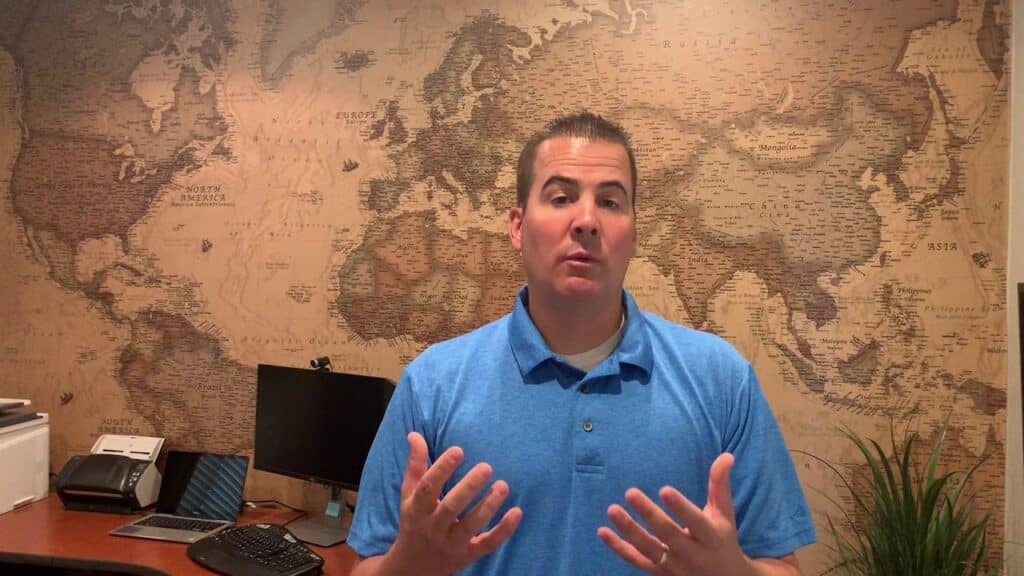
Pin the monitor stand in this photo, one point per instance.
(325, 529)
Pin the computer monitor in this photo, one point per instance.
(318, 426)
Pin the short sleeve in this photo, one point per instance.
(772, 517)
(375, 525)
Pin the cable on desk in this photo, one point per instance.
(258, 503)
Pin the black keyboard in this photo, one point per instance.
(179, 523)
(256, 550)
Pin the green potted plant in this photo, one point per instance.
(905, 521)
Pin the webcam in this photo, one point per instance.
(322, 363)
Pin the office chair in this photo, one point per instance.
(34, 565)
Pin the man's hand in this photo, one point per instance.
(707, 545)
(432, 539)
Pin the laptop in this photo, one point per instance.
(200, 494)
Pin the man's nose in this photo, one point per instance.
(586, 218)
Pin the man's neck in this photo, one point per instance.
(574, 325)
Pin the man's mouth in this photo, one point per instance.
(581, 257)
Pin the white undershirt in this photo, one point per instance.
(587, 360)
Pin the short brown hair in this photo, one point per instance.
(582, 124)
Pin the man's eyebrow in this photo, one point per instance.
(613, 184)
(572, 183)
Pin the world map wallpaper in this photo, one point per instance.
(189, 188)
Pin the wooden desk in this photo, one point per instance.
(47, 528)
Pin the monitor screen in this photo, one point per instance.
(317, 425)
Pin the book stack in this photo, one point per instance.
(13, 411)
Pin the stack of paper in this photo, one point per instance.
(12, 411)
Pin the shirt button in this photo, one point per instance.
(584, 388)
(588, 426)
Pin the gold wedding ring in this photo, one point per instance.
(664, 556)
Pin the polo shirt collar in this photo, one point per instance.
(530, 350)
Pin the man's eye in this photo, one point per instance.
(559, 200)
(610, 203)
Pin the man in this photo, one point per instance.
(575, 401)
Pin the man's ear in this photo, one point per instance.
(515, 227)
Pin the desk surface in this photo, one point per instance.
(46, 528)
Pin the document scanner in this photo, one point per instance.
(118, 475)
(25, 454)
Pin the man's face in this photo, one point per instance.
(577, 232)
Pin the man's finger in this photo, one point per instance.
(459, 497)
(473, 522)
(660, 523)
(428, 489)
(483, 544)
(634, 533)
(625, 550)
(696, 522)
(416, 466)
(719, 488)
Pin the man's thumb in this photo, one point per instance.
(719, 489)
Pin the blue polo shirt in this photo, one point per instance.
(657, 411)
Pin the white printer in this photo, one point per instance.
(24, 454)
